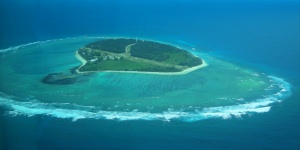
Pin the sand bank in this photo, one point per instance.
(83, 61)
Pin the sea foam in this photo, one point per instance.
(76, 112)
(18, 47)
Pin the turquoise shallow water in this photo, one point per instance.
(259, 36)
(220, 90)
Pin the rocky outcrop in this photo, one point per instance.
(59, 78)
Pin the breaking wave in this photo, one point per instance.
(75, 112)
(13, 48)
(18, 47)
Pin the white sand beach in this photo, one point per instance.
(186, 71)
(83, 61)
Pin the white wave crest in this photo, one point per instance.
(18, 47)
(76, 112)
(13, 48)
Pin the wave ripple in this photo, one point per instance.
(76, 112)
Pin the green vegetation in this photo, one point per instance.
(126, 65)
(151, 50)
(132, 55)
(111, 45)
(164, 53)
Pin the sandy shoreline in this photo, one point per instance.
(186, 71)
(83, 61)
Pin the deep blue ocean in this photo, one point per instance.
(262, 35)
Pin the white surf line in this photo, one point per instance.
(45, 41)
(223, 112)
(18, 47)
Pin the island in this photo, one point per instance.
(136, 56)
(127, 55)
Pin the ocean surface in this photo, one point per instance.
(246, 98)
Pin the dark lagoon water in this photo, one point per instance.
(246, 98)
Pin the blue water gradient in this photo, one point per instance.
(75, 112)
(264, 35)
